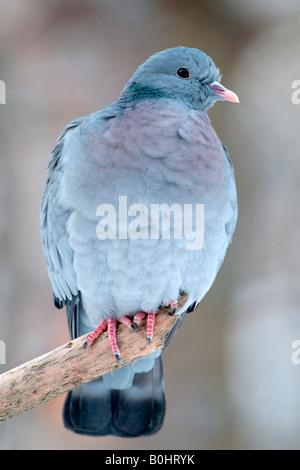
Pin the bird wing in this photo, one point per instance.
(53, 221)
(231, 224)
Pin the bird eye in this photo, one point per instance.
(183, 73)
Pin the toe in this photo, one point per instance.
(95, 334)
(112, 338)
(150, 325)
(127, 321)
(173, 305)
(138, 318)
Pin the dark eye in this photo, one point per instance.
(183, 73)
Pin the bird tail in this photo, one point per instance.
(103, 407)
(95, 410)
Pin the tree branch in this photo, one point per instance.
(65, 368)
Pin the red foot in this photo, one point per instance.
(111, 326)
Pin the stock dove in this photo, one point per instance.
(116, 179)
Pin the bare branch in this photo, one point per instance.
(70, 365)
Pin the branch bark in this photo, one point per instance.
(65, 368)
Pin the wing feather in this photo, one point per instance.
(53, 221)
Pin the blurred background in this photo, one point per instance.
(230, 381)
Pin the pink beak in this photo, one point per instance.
(223, 93)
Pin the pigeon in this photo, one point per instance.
(139, 208)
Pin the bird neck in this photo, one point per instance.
(136, 92)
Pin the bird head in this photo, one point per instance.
(184, 74)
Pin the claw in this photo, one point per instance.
(118, 358)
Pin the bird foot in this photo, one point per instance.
(111, 326)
